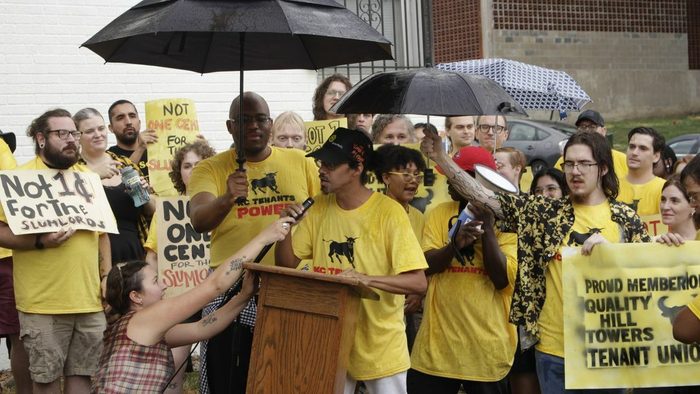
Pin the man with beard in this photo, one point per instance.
(236, 205)
(57, 276)
(590, 215)
(125, 123)
(368, 235)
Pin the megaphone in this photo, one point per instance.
(493, 180)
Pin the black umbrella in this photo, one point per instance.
(236, 35)
(427, 91)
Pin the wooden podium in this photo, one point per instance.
(304, 331)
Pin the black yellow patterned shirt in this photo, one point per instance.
(542, 224)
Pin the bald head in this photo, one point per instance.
(250, 100)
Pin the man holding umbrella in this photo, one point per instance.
(235, 205)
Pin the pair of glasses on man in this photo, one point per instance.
(259, 119)
(583, 167)
(485, 128)
(63, 133)
(408, 177)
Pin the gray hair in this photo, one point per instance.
(381, 121)
(85, 113)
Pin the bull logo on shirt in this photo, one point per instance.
(634, 205)
(670, 312)
(268, 181)
(342, 249)
(577, 239)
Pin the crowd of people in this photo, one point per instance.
(470, 290)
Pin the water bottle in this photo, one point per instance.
(132, 182)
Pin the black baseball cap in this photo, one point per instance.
(344, 146)
(591, 115)
(9, 139)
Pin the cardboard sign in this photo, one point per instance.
(619, 305)
(42, 201)
(175, 122)
(653, 224)
(318, 131)
(183, 253)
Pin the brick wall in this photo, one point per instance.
(42, 67)
(456, 30)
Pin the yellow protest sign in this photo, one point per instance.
(653, 224)
(183, 253)
(42, 201)
(175, 122)
(318, 131)
(619, 305)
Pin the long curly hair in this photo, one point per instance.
(201, 148)
(318, 110)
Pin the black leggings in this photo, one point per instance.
(421, 383)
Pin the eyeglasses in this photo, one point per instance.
(259, 119)
(408, 177)
(330, 167)
(335, 93)
(63, 133)
(588, 128)
(546, 189)
(485, 128)
(583, 167)
(693, 198)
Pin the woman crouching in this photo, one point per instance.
(136, 355)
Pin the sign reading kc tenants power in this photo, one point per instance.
(183, 253)
(42, 201)
(619, 307)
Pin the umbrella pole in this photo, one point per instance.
(240, 152)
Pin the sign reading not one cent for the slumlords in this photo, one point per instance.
(619, 307)
(42, 201)
(183, 253)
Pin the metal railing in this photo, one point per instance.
(406, 23)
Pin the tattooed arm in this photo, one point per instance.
(461, 181)
(214, 323)
(150, 323)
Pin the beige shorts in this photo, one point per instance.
(62, 345)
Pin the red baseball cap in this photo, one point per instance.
(468, 156)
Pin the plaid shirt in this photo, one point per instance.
(542, 224)
(127, 367)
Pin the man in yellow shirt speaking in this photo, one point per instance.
(355, 231)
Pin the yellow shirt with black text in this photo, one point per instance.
(589, 219)
(375, 239)
(465, 333)
(283, 178)
(59, 280)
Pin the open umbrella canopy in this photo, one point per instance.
(533, 87)
(427, 91)
(204, 35)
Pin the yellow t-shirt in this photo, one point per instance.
(588, 219)
(375, 239)
(417, 222)
(694, 306)
(643, 198)
(7, 162)
(58, 280)
(465, 333)
(152, 237)
(283, 178)
(619, 162)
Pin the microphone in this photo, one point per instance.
(305, 205)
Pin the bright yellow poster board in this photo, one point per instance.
(175, 122)
(619, 304)
(654, 225)
(183, 253)
(318, 131)
(44, 201)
